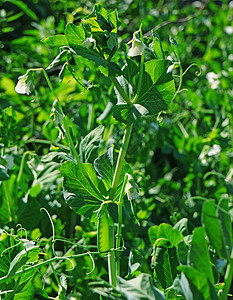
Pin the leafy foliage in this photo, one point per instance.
(178, 164)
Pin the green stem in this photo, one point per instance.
(140, 78)
(10, 201)
(228, 278)
(120, 161)
(22, 165)
(140, 74)
(120, 90)
(119, 227)
(116, 178)
(39, 141)
(112, 265)
(180, 83)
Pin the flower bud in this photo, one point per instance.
(137, 45)
(24, 84)
(89, 43)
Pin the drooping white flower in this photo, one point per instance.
(213, 80)
(24, 84)
(131, 189)
(137, 45)
(89, 43)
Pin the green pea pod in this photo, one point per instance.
(105, 233)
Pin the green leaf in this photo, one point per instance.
(78, 192)
(175, 48)
(25, 8)
(135, 260)
(157, 91)
(75, 35)
(58, 40)
(165, 262)
(164, 233)
(182, 252)
(225, 225)
(217, 224)
(198, 256)
(182, 226)
(89, 146)
(140, 288)
(130, 69)
(56, 113)
(105, 166)
(199, 287)
(113, 19)
(157, 46)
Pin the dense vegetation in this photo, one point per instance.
(116, 153)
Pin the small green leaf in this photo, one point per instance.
(25, 8)
(164, 232)
(75, 35)
(135, 260)
(175, 48)
(130, 70)
(56, 113)
(105, 166)
(88, 147)
(78, 193)
(157, 46)
(58, 40)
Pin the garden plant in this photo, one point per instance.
(93, 175)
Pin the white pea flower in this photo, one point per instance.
(29, 245)
(137, 45)
(213, 80)
(131, 189)
(24, 84)
(89, 43)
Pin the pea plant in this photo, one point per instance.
(102, 183)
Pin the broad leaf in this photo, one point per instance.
(75, 35)
(56, 40)
(157, 91)
(160, 235)
(88, 148)
(78, 192)
(198, 256)
(165, 262)
(157, 46)
(140, 288)
(199, 287)
(217, 223)
(105, 166)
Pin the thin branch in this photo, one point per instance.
(181, 20)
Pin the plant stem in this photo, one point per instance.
(118, 237)
(22, 165)
(120, 161)
(140, 74)
(10, 201)
(228, 278)
(116, 178)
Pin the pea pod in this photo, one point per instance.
(105, 233)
